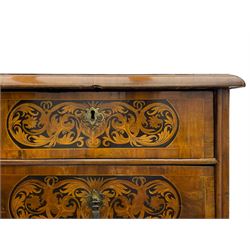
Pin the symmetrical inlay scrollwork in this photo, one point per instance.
(118, 197)
(83, 124)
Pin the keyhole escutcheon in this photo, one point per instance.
(92, 115)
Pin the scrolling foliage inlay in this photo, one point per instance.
(122, 197)
(92, 124)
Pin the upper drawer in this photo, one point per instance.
(160, 124)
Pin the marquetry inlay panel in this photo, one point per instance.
(91, 124)
(120, 197)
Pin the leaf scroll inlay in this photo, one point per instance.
(92, 124)
(67, 197)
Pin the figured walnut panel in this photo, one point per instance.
(127, 191)
(107, 125)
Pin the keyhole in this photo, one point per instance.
(92, 114)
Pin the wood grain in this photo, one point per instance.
(49, 162)
(222, 153)
(197, 195)
(118, 82)
(194, 138)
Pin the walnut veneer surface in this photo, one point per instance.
(115, 146)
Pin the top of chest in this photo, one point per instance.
(118, 82)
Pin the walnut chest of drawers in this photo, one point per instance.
(115, 146)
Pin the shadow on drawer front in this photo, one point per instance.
(108, 192)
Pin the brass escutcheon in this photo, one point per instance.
(95, 202)
(93, 115)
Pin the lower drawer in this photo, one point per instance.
(106, 191)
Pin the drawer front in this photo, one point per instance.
(107, 125)
(107, 192)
